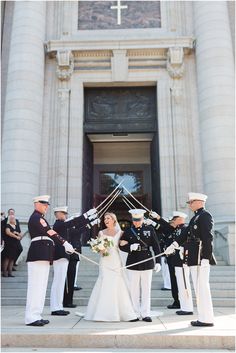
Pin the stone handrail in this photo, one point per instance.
(224, 243)
(219, 234)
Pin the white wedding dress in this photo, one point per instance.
(110, 299)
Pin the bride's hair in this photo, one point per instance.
(113, 216)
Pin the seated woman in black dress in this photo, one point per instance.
(13, 247)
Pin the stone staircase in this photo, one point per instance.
(222, 280)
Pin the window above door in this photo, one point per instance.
(132, 180)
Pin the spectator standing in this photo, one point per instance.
(12, 247)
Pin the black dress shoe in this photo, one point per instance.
(77, 288)
(59, 313)
(163, 288)
(147, 319)
(174, 306)
(134, 320)
(10, 275)
(70, 306)
(36, 323)
(182, 312)
(199, 323)
(65, 311)
(45, 322)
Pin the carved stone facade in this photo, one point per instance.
(175, 62)
(97, 15)
(183, 54)
(65, 64)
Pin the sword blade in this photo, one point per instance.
(136, 199)
(110, 203)
(110, 194)
(128, 201)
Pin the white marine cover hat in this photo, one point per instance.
(61, 209)
(42, 199)
(196, 196)
(137, 214)
(179, 214)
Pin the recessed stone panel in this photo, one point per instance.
(132, 14)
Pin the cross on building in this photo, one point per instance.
(119, 7)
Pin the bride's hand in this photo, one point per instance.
(123, 242)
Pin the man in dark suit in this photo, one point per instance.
(197, 241)
(136, 241)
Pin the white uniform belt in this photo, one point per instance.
(44, 237)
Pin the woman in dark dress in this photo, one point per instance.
(13, 247)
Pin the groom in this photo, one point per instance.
(136, 241)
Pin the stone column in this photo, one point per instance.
(21, 142)
(165, 146)
(65, 66)
(178, 128)
(215, 80)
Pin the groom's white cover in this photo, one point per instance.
(137, 213)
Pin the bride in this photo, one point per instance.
(110, 299)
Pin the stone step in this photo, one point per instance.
(88, 284)
(108, 350)
(14, 290)
(83, 301)
(214, 277)
(167, 331)
(21, 292)
(222, 271)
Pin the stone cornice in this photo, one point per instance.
(99, 46)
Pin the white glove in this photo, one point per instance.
(157, 268)
(134, 247)
(153, 214)
(181, 252)
(90, 212)
(171, 248)
(96, 221)
(149, 222)
(73, 217)
(205, 263)
(68, 247)
(93, 216)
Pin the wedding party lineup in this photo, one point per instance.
(128, 259)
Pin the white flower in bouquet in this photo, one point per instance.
(101, 245)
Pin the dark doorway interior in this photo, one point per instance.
(121, 140)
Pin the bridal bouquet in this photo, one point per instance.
(101, 245)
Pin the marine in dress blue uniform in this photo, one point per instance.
(74, 232)
(180, 284)
(164, 266)
(39, 258)
(197, 240)
(62, 260)
(139, 239)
